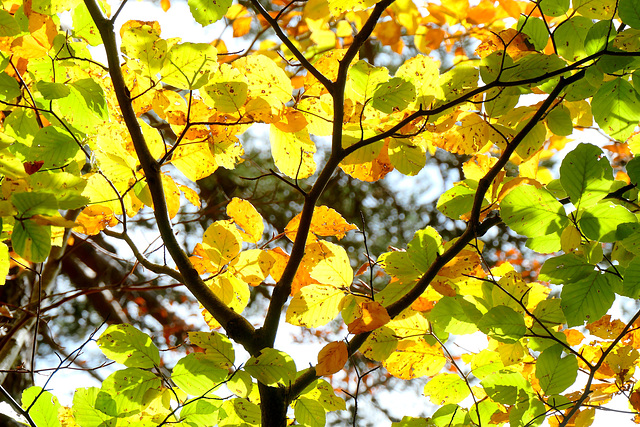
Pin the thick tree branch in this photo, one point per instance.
(237, 327)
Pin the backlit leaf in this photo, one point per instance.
(208, 12)
(446, 388)
(616, 108)
(247, 218)
(315, 305)
(127, 345)
(324, 222)
(556, 373)
(272, 367)
(197, 374)
(332, 358)
(414, 359)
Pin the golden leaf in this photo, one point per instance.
(247, 218)
(95, 218)
(332, 358)
(373, 316)
(324, 222)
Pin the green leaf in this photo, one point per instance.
(321, 391)
(559, 121)
(127, 345)
(30, 240)
(527, 413)
(423, 249)
(197, 374)
(145, 49)
(616, 108)
(595, 9)
(8, 24)
(364, 80)
(66, 187)
(598, 37)
(44, 411)
(446, 388)
(128, 391)
(455, 315)
(536, 29)
(309, 412)
(400, 265)
(407, 421)
(631, 282)
(393, 95)
(566, 268)
(407, 158)
(201, 412)
(86, 413)
(553, 7)
(206, 12)
(227, 90)
(629, 12)
(189, 65)
(83, 25)
(240, 411)
(272, 367)
(52, 90)
(549, 312)
(586, 175)
(217, 346)
(556, 373)
(533, 212)
(458, 200)
(503, 324)
(606, 222)
(54, 147)
(34, 203)
(85, 107)
(505, 386)
(9, 88)
(588, 299)
(451, 416)
(570, 36)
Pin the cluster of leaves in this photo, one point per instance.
(102, 142)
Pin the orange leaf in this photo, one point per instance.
(634, 399)
(325, 222)
(247, 218)
(373, 316)
(605, 328)
(573, 337)
(94, 219)
(165, 4)
(332, 358)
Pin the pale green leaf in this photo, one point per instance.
(309, 412)
(127, 345)
(197, 374)
(272, 367)
(556, 373)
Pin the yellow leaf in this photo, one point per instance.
(247, 218)
(605, 328)
(413, 359)
(340, 6)
(221, 242)
(585, 417)
(232, 291)
(370, 170)
(315, 305)
(570, 238)
(58, 221)
(267, 81)
(410, 323)
(373, 316)
(171, 195)
(469, 137)
(324, 222)
(201, 262)
(194, 160)
(332, 358)
(252, 266)
(191, 195)
(328, 264)
(293, 152)
(95, 218)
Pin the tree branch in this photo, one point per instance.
(236, 326)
